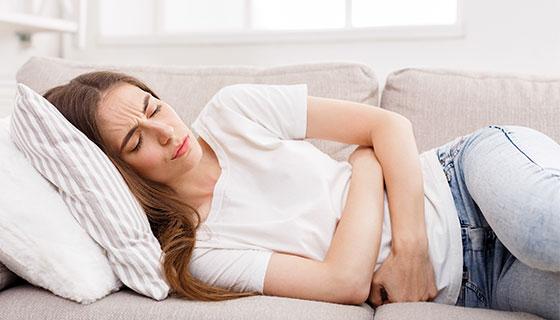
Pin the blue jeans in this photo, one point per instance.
(505, 181)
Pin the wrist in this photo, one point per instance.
(410, 245)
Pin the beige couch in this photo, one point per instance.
(441, 104)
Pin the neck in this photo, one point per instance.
(197, 186)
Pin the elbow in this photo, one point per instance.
(362, 294)
(395, 123)
(402, 120)
(358, 295)
(355, 292)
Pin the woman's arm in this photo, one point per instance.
(392, 138)
(355, 246)
(407, 274)
(396, 149)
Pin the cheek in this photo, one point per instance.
(148, 160)
(149, 164)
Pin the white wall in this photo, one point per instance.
(501, 35)
(14, 53)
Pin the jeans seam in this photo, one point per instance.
(515, 145)
(479, 294)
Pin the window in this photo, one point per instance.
(257, 20)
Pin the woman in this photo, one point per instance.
(504, 183)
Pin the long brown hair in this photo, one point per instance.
(172, 221)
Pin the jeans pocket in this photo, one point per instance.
(477, 247)
(448, 152)
(473, 296)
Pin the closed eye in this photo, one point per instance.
(138, 144)
(157, 110)
(137, 147)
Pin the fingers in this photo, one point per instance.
(384, 295)
(433, 293)
(375, 297)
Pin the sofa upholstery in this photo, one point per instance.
(27, 302)
(441, 104)
(444, 104)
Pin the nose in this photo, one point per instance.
(164, 132)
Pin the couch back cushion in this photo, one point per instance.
(443, 104)
(189, 88)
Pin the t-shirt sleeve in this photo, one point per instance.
(239, 270)
(280, 109)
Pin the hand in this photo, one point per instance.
(405, 277)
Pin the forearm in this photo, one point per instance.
(355, 245)
(395, 147)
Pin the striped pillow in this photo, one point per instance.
(93, 190)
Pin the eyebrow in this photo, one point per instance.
(131, 132)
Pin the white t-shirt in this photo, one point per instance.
(278, 192)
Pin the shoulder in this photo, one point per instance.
(234, 90)
(256, 90)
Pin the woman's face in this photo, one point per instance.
(160, 132)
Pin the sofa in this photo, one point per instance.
(441, 104)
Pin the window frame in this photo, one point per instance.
(348, 33)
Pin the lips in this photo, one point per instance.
(181, 149)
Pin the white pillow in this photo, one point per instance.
(93, 190)
(40, 240)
